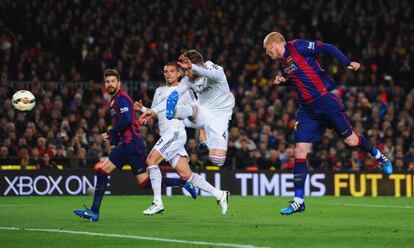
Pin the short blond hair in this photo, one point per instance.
(273, 36)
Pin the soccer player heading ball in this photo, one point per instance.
(318, 107)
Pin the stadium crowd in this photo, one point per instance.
(57, 44)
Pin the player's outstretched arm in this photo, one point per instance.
(317, 47)
(213, 73)
(333, 51)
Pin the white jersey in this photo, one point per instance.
(211, 87)
(160, 101)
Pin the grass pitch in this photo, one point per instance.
(251, 222)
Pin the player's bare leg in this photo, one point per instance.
(300, 172)
(360, 141)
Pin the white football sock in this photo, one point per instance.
(201, 183)
(184, 111)
(155, 177)
(298, 200)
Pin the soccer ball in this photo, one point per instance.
(23, 100)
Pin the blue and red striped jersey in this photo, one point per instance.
(124, 127)
(301, 67)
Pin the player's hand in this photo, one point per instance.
(354, 66)
(279, 79)
(184, 62)
(138, 105)
(147, 115)
(189, 74)
(105, 136)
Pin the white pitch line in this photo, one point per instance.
(113, 235)
(16, 205)
(373, 206)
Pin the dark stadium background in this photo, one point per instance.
(59, 49)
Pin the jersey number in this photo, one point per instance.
(311, 45)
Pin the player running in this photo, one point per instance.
(130, 148)
(170, 146)
(214, 107)
(318, 107)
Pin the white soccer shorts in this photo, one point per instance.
(215, 125)
(171, 147)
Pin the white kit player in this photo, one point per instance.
(214, 107)
(171, 145)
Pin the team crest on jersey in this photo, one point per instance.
(289, 66)
(113, 111)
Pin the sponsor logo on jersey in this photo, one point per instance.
(289, 66)
(205, 90)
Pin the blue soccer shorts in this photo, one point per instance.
(325, 112)
(133, 154)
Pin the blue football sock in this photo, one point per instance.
(364, 144)
(300, 171)
(172, 182)
(100, 188)
(368, 147)
(166, 182)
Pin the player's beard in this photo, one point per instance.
(112, 90)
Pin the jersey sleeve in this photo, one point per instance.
(155, 99)
(125, 116)
(114, 140)
(157, 105)
(311, 48)
(211, 71)
(183, 86)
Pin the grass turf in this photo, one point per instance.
(327, 222)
